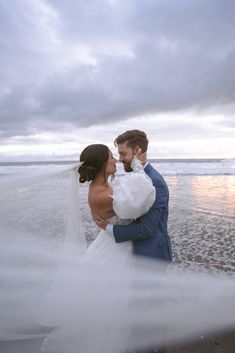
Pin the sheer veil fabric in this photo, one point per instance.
(100, 299)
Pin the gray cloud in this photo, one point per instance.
(85, 63)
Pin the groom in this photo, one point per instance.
(148, 232)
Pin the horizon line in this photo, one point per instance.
(152, 159)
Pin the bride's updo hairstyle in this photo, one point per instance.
(95, 158)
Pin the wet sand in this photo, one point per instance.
(224, 343)
(202, 221)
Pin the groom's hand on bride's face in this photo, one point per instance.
(100, 222)
(142, 157)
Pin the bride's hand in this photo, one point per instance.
(100, 222)
(142, 157)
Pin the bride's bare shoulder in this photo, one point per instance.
(100, 195)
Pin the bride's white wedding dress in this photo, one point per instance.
(92, 307)
(105, 245)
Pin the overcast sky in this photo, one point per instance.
(79, 72)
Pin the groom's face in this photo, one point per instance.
(126, 155)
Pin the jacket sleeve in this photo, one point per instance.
(145, 226)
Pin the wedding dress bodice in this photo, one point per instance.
(105, 246)
(117, 220)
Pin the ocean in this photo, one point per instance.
(164, 166)
(201, 215)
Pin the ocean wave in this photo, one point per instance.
(189, 167)
(228, 161)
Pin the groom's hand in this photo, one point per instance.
(100, 222)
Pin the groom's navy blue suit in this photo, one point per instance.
(149, 232)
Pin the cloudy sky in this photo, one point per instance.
(76, 72)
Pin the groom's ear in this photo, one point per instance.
(136, 149)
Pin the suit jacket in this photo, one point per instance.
(149, 232)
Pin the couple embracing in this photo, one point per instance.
(132, 209)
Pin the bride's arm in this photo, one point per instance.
(145, 226)
(133, 193)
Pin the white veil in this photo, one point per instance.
(50, 290)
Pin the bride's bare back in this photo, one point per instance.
(100, 200)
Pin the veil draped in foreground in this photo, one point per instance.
(94, 303)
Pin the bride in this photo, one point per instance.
(109, 197)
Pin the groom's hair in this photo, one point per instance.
(133, 138)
